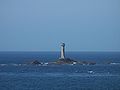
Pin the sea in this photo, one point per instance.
(16, 74)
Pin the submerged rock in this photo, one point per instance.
(35, 62)
(86, 63)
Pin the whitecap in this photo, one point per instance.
(3, 64)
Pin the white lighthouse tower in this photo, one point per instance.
(62, 51)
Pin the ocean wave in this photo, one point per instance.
(115, 63)
(13, 64)
(3, 64)
(59, 74)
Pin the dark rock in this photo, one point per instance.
(86, 63)
(65, 61)
(92, 63)
(35, 62)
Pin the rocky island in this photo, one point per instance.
(63, 60)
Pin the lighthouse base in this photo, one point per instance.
(65, 61)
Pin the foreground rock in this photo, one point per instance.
(35, 62)
(65, 61)
(73, 62)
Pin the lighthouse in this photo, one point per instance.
(62, 51)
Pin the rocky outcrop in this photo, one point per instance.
(65, 61)
(35, 62)
(73, 62)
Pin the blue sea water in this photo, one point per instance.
(59, 77)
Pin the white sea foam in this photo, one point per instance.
(3, 64)
(115, 63)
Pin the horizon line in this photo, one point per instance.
(59, 51)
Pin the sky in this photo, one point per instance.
(41, 25)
